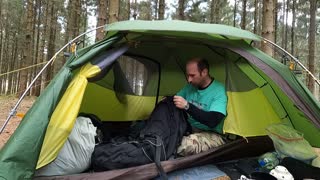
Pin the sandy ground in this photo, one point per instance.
(6, 104)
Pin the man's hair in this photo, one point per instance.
(202, 63)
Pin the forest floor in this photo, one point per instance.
(6, 104)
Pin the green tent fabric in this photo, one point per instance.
(138, 62)
(18, 158)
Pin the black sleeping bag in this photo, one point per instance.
(299, 169)
(156, 142)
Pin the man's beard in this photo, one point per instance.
(196, 85)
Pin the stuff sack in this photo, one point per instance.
(290, 143)
(75, 155)
(156, 142)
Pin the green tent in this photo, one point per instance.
(122, 77)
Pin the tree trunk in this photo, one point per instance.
(83, 17)
(286, 24)
(5, 59)
(275, 3)
(283, 33)
(1, 42)
(161, 9)
(244, 14)
(51, 45)
(156, 9)
(215, 11)
(69, 18)
(255, 17)
(293, 26)
(36, 89)
(1, 30)
(260, 16)
(4, 65)
(102, 18)
(135, 10)
(234, 13)
(181, 10)
(11, 66)
(73, 20)
(312, 44)
(33, 70)
(77, 19)
(267, 25)
(43, 45)
(27, 54)
(129, 10)
(4, 51)
(17, 77)
(113, 11)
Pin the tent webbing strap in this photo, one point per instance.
(162, 173)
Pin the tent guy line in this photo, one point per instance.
(14, 109)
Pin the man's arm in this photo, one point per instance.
(208, 118)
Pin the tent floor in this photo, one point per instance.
(237, 149)
(235, 168)
(204, 172)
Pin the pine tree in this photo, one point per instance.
(113, 11)
(162, 6)
(312, 44)
(27, 51)
(102, 18)
(267, 25)
(181, 9)
(244, 14)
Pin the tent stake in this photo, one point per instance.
(14, 109)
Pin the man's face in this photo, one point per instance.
(194, 77)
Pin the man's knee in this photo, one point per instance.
(199, 142)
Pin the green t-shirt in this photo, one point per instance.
(213, 98)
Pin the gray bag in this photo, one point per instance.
(75, 155)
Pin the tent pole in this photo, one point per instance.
(294, 58)
(14, 109)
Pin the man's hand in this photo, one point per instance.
(180, 102)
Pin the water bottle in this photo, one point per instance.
(268, 160)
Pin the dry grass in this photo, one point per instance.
(6, 104)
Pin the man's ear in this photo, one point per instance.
(204, 72)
